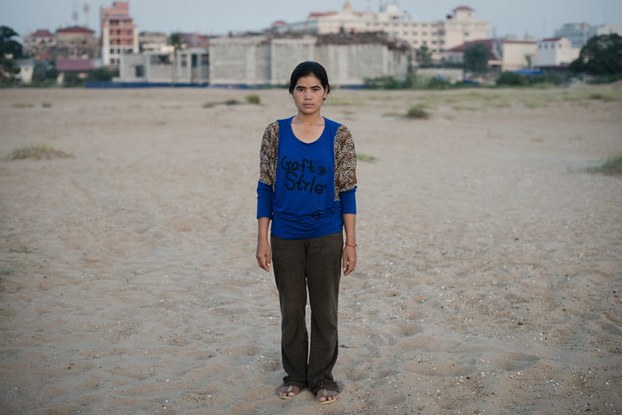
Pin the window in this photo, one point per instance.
(139, 71)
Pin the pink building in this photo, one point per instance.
(119, 35)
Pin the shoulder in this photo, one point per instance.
(339, 130)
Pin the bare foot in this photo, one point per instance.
(325, 396)
(288, 391)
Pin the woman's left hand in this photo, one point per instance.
(349, 259)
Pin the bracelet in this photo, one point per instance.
(352, 245)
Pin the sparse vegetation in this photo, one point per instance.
(253, 99)
(366, 158)
(6, 270)
(46, 104)
(22, 105)
(228, 102)
(612, 167)
(22, 249)
(37, 152)
(417, 112)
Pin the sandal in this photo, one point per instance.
(327, 396)
(288, 391)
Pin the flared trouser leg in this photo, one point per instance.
(313, 265)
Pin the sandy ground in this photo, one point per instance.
(490, 260)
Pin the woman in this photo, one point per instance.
(306, 188)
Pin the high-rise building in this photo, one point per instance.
(119, 35)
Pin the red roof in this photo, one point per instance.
(42, 33)
(552, 39)
(315, 15)
(519, 42)
(76, 29)
(74, 65)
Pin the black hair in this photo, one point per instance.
(309, 68)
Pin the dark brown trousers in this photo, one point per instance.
(313, 266)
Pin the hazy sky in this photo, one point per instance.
(538, 18)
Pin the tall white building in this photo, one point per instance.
(580, 33)
(457, 28)
(119, 35)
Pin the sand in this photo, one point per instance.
(490, 258)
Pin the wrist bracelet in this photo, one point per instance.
(352, 245)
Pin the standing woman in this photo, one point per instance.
(307, 185)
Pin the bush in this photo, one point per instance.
(612, 167)
(37, 152)
(253, 99)
(417, 112)
(512, 79)
(102, 75)
(384, 82)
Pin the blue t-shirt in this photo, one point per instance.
(302, 200)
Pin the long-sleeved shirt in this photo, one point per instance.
(305, 188)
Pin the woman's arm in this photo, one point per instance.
(349, 249)
(264, 252)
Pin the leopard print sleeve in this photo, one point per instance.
(268, 154)
(345, 161)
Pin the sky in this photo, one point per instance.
(536, 18)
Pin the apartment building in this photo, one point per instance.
(457, 28)
(76, 42)
(119, 35)
(39, 45)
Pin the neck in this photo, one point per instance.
(309, 118)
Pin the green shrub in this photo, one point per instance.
(612, 167)
(512, 79)
(417, 112)
(253, 99)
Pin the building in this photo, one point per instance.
(40, 44)
(79, 68)
(580, 33)
(188, 66)
(154, 42)
(556, 51)
(76, 42)
(605, 29)
(119, 35)
(267, 60)
(577, 33)
(438, 36)
(503, 54)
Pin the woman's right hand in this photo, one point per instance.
(264, 254)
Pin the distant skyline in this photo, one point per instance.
(536, 18)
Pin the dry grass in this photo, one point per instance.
(37, 152)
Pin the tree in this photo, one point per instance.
(10, 49)
(476, 58)
(176, 40)
(423, 56)
(601, 55)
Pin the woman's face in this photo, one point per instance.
(309, 94)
